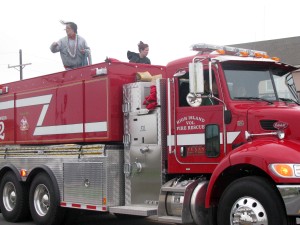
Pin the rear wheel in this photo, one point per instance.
(251, 200)
(14, 198)
(44, 201)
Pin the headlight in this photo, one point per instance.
(286, 170)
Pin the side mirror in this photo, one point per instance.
(196, 77)
(193, 100)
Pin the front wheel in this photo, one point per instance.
(251, 200)
(44, 201)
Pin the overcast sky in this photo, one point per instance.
(112, 27)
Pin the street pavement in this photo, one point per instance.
(77, 218)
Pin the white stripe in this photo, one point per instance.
(231, 136)
(42, 115)
(190, 139)
(6, 105)
(45, 99)
(51, 130)
(198, 139)
(170, 140)
(26, 102)
(221, 139)
(71, 128)
(96, 127)
(60, 129)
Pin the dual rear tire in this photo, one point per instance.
(13, 198)
(43, 201)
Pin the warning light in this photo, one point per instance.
(283, 170)
(276, 59)
(23, 173)
(103, 201)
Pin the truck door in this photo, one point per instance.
(198, 131)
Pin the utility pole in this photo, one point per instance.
(21, 66)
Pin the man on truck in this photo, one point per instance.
(73, 48)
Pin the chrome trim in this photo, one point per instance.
(169, 113)
(212, 61)
(280, 134)
(210, 78)
(198, 210)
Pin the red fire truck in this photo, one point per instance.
(212, 140)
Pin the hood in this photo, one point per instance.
(261, 119)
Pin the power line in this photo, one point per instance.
(21, 65)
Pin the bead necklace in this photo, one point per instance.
(75, 47)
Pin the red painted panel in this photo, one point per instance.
(69, 106)
(7, 120)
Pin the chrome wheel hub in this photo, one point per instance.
(9, 196)
(248, 211)
(41, 200)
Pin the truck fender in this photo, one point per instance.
(263, 152)
(47, 170)
(255, 154)
(10, 167)
(225, 163)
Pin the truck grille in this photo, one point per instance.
(268, 124)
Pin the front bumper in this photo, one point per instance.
(291, 197)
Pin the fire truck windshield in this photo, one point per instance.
(268, 82)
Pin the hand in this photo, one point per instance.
(82, 51)
(54, 44)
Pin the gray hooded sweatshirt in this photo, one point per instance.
(72, 59)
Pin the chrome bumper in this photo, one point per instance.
(291, 197)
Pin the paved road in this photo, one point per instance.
(96, 219)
